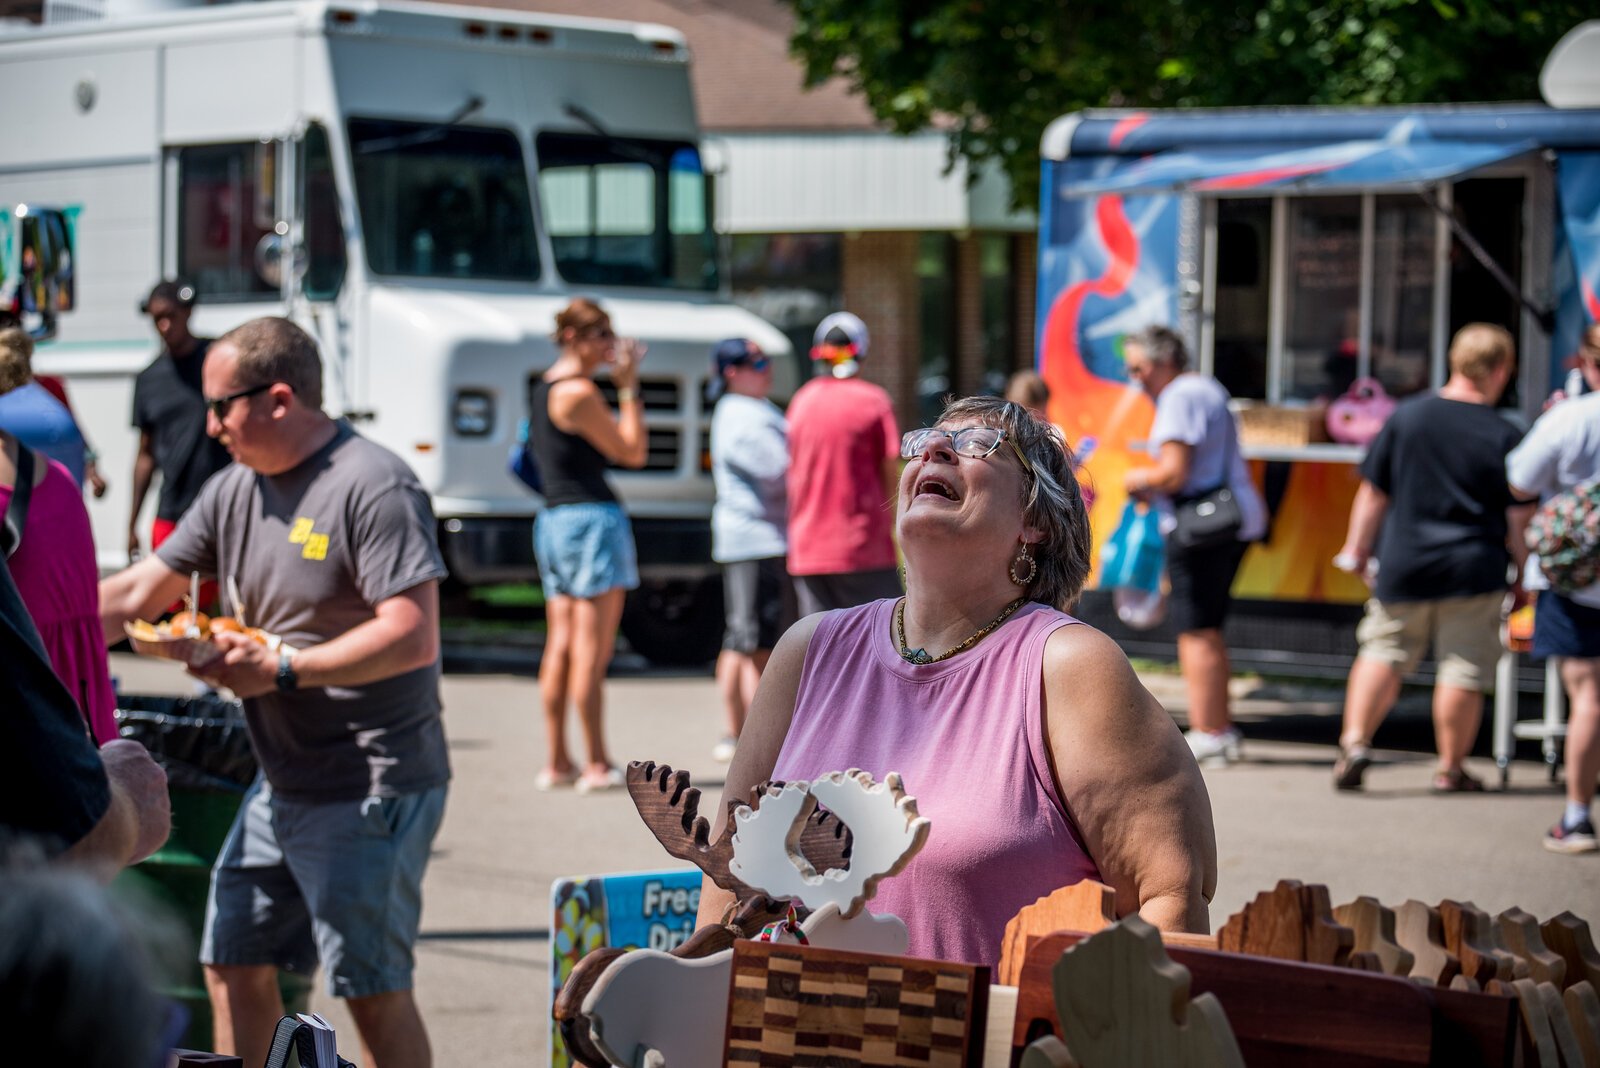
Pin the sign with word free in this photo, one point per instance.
(646, 910)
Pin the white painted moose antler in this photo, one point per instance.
(883, 821)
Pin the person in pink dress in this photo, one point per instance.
(1023, 734)
(54, 568)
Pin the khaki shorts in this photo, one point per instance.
(1464, 632)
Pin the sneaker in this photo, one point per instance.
(1219, 748)
(722, 752)
(1351, 766)
(1457, 781)
(1576, 839)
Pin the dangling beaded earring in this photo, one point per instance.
(1032, 565)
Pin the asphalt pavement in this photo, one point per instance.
(482, 977)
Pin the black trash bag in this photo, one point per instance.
(200, 741)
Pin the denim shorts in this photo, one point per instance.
(340, 882)
(1563, 627)
(585, 549)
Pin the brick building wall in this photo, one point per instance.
(1025, 296)
(880, 284)
(968, 349)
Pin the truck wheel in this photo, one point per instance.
(675, 623)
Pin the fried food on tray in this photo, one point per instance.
(185, 624)
(172, 641)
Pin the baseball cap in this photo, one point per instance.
(730, 353)
(175, 290)
(840, 336)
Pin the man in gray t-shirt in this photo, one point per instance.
(329, 539)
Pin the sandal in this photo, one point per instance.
(1350, 767)
(1457, 781)
(548, 779)
(610, 780)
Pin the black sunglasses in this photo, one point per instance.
(219, 407)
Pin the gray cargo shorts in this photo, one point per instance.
(340, 882)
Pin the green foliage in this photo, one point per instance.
(994, 73)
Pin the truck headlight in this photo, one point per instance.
(473, 413)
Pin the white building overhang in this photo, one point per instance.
(829, 181)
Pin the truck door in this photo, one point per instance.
(317, 295)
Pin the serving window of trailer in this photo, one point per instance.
(1302, 295)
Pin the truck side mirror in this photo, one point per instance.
(38, 276)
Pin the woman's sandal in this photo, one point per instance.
(588, 784)
(1457, 781)
(550, 780)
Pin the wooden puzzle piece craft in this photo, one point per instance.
(886, 832)
(1374, 928)
(1469, 935)
(801, 1005)
(1121, 1000)
(1519, 933)
(1420, 931)
(670, 807)
(1569, 936)
(1293, 921)
(1583, 1010)
(1560, 1024)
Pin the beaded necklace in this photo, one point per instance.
(921, 656)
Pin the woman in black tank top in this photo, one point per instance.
(582, 538)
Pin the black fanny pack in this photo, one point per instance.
(1207, 520)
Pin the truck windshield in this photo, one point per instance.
(443, 201)
(626, 211)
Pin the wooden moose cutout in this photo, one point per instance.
(1122, 1001)
(682, 1027)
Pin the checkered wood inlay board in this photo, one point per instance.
(813, 1008)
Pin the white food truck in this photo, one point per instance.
(422, 187)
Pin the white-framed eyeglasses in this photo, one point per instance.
(977, 442)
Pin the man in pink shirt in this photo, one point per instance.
(844, 467)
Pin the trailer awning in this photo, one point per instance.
(1396, 162)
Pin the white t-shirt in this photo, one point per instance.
(749, 462)
(1193, 410)
(1561, 451)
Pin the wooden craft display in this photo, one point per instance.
(1120, 1000)
(798, 1005)
(1293, 921)
(1309, 1015)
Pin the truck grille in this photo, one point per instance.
(658, 394)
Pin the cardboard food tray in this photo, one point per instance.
(194, 652)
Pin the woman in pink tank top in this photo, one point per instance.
(1024, 735)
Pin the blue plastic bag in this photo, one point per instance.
(521, 463)
(1132, 558)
